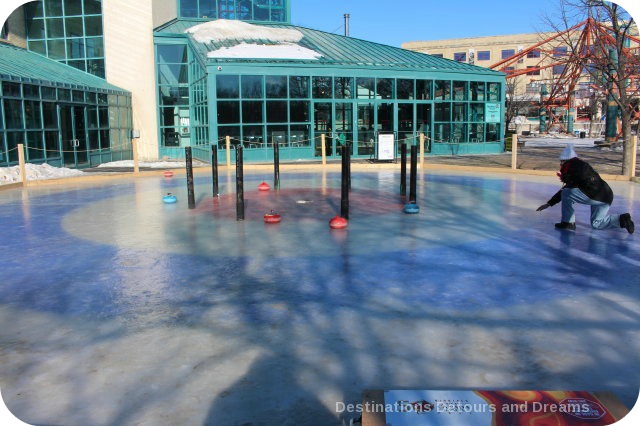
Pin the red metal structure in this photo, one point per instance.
(573, 59)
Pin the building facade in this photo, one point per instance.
(204, 72)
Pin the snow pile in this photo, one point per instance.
(152, 165)
(280, 42)
(268, 51)
(224, 29)
(36, 172)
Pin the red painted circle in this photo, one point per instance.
(338, 223)
(272, 218)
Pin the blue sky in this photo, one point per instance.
(393, 22)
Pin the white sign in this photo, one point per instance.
(385, 147)
(492, 112)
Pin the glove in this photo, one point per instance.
(542, 207)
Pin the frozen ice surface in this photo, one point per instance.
(119, 309)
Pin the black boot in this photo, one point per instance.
(627, 223)
(566, 225)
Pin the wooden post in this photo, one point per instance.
(634, 153)
(134, 148)
(228, 147)
(324, 150)
(514, 152)
(23, 168)
(421, 151)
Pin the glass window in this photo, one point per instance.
(493, 92)
(228, 112)
(423, 89)
(13, 114)
(558, 69)
(253, 136)
(189, 8)
(442, 112)
(252, 112)
(298, 87)
(32, 115)
(405, 117)
(322, 87)
(252, 86)
(172, 53)
(34, 146)
(460, 112)
(299, 111)
(95, 47)
(72, 7)
(406, 89)
(50, 115)
(11, 89)
(227, 86)
(38, 46)
(366, 88)
(55, 27)
(35, 28)
(535, 53)
(460, 56)
(442, 90)
(477, 90)
(441, 132)
(507, 53)
(277, 112)
(343, 87)
(460, 90)
(92, 7)
(560, 51)
(53, 7)
(484, 55)
(56, 49)
(385, 117)
(384, 87)
(276, 86)
(477, 112)
(73, 27)
(93, 25)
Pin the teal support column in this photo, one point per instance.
(611, 124)
(570, 120)
(543, 120)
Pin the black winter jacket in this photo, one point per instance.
(576, 173)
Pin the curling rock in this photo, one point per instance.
(272, 218)
(338, 223)
(169, 199)
(168, 174)
(411, 208)
(264, 186)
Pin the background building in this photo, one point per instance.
(199, 72)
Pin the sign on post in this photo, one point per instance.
(492, 112)
(385, 149)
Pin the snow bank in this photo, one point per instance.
(36, 172)
(261, 51)
(224, 29)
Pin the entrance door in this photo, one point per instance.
(73, 131)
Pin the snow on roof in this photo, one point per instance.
(262, 51)
(225, 29)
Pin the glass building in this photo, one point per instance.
(220, 88)
(237, 72)
(68, 31)
(62, 116)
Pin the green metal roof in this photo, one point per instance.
(335, 50)
(19, 64)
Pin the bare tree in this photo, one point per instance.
(612, 58)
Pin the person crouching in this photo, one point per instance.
(583, 185)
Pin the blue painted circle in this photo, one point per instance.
(411, 208)
(169, 199)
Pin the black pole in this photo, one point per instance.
(276, 165)
(344, 199)
(403, 169)
(414, 174)
(191, 195)
(239, 184)
(347, 147)
(214, 169)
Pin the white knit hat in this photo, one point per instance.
(568, 153)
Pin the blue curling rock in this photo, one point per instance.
(169, 199)
(411, 208)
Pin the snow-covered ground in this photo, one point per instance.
(45, 171)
